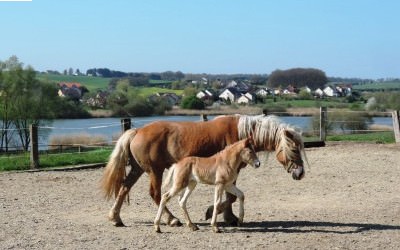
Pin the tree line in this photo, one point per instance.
(298, 78)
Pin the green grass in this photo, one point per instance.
(377, 137)
(147, 91)
(22, 162)
(294, 103)
(90, 82)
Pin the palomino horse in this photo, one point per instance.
(221, 170)
(158, 145)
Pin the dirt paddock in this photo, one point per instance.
(350, 199)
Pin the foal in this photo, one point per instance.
(221, 170)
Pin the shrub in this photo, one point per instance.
(192, 102)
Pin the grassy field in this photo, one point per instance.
(22, 161)
(378, 86)
(90, 82)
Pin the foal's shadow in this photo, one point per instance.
(312, 226)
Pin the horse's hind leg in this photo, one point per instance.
(155, 193)
(226, 207)
(235, 191)
(182, 204)
(132, 177)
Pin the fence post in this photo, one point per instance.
(396, 125)
(203, 117)
(34, 154)
(322, 123)
(125, 124)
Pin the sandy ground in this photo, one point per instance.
(350, 199)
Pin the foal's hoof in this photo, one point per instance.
(209, 212)
(175, 223)
(157, 229)
(193, 227)
(216, 230)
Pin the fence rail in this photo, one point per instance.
(126, 124)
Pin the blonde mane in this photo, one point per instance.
(270, 130)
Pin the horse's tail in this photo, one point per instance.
(114, 172)
(168, 178)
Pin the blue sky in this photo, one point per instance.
(344, 38)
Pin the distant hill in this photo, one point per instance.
(92, 83)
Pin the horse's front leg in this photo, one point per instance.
(155, 193)
(132, 177)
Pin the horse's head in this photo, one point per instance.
(248, 154)
(288, 153)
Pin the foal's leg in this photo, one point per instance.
(132, 177)
(235, 191)
(219, 189)
(164, 199)
(182, 204)
(225, 207)
(155, 193)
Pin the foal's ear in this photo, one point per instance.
(249, 140)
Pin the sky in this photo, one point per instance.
(343, 38)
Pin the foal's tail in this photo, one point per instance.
(114, 172)
(168, 178)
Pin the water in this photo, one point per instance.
(111, 127)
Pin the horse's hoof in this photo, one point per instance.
(175, 223)
(231, 219)
(117, 223)
(193, 227)
(157, 229)
(209, 212)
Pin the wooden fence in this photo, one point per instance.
(126, 125)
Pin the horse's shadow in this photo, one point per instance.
(312, 226)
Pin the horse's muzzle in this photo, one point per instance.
(256, 164)
(298, 173)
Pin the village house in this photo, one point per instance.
(229, 95)
(72, 90)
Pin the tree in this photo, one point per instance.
(298, 77)
(25, 101)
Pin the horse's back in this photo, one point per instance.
(162, 143)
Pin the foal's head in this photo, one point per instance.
(288, 153)
(248, 154)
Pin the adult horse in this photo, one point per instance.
(158, 145)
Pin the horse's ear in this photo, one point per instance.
(288, 134)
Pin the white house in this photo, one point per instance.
(204, 94)
(329, 91)
(263, 92)
(244, 100)
(318, 92)
(230, 94)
